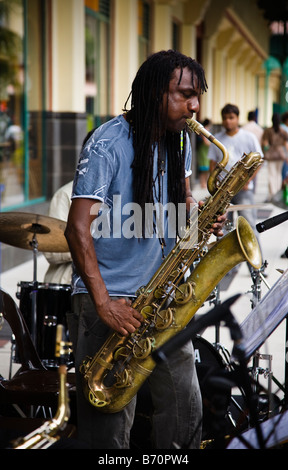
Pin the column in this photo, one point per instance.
(125, 46)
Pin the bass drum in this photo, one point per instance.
(53, 302)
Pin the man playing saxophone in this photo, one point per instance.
(138, 159)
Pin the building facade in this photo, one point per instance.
(66, 66)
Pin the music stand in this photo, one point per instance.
(265, 318)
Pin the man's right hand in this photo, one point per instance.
(120, 316)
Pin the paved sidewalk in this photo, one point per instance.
(273, 242)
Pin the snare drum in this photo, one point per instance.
(53, 302)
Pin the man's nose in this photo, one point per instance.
(193, 105)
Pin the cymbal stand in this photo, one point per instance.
(216, 301)
(34, 291)
(257, 277)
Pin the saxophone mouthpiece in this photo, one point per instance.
(198, 128)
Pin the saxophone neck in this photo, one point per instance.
(196, 127)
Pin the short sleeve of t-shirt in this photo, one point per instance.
(104, 173)
(98, 164)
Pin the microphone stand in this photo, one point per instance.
(272, 222)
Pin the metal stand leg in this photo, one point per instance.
(286, 367)
(34, 292)
(257, 278)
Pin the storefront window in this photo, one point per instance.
(34, 94)
(143, 30)
(11, 103)
(21, 102)
(97, 61)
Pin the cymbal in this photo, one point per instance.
(18, 229)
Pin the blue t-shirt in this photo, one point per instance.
(126, 260)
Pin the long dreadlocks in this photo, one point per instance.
(146, 123)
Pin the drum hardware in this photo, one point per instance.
(50, 321)
(49, 328)
(216, 389)
(34, 245)
(13, 355)
(265, 317)
(228, 225)
(37, 233)
(256, 291)
(257, 371)
(261, 227)
(216, 301)
(53, 302)
(20, 229)
(257, 278)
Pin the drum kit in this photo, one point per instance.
(43, 305)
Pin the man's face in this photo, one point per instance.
(230, 122)
(183, 100)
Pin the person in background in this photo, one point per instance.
(284, 125)
(284, 121)
(60, 264)
(142, 156)
(284, 192)
(275, 148)
(253, 126)
(202, 155)
(237, 142)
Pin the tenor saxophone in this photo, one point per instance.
(114, 375)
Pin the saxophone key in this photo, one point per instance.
(97, 398)
(119, 353)
(84, 367)
(184, 293)
(147, 311)
(159, 293)
(124, 379)
(143, 348)
(164, 319)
